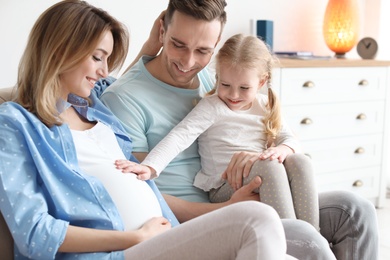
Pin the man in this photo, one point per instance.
(157, 93)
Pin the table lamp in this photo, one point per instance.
(341, 26)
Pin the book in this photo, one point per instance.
(301, 55)
(293, 53)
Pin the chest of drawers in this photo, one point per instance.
(339, 109)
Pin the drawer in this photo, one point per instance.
(339, 154)
(364, 181)
(313, 85)
(335, 120)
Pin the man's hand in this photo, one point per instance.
(185, 210)
(152, 45)
(246, 192)
(239, 167)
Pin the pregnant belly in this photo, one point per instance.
(135, 200)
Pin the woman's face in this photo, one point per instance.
(237, 87)
(81, 80)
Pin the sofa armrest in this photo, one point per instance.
(6, 241)
(7, 94)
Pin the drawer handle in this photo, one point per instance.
(308, 84)
(360, 150)
(357, 183)
(363, 83)
(361, 116)
(306, 121)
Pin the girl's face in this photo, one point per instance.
(81, 80)
(237, 87)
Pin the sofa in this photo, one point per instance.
(6, 94)
(6, 241)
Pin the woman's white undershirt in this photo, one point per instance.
(97, 149)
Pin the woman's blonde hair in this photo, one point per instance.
(62, 38)
(250, 52)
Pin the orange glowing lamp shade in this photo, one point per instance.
(341, 25)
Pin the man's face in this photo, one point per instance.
(188, 47)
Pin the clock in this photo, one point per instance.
(367, 48)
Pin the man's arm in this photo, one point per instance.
(140, 156)
(152, 46)
(186, 210)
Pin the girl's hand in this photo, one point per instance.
(143, 172)
(239, 168)
(279, 152)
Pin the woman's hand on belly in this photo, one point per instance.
(151, 228)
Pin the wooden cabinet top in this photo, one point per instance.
(333, 62)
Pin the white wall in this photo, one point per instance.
(384, 35)
(297, 26)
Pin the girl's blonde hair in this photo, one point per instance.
(62, 38)
(248, 52)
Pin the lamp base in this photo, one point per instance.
(339, 55)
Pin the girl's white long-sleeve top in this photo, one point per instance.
(221, 132)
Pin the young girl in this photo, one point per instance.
(239, 118)
(60, 193)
